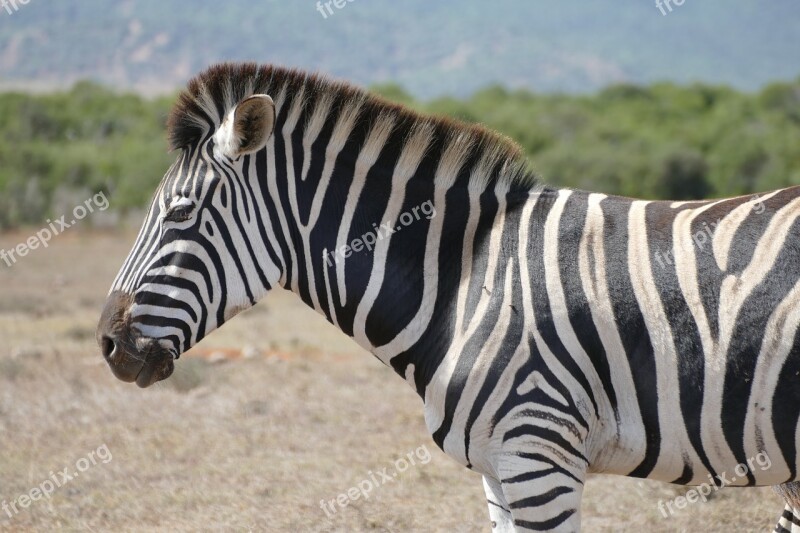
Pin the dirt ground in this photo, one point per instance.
(266, 418)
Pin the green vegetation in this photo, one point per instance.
(661, 141)
(84, 141)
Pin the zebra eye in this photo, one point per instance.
(180, 210)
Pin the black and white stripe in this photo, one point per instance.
(551, 333)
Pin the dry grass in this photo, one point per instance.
(249, 444)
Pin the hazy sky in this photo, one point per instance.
(447, 46)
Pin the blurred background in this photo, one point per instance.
(277, 410)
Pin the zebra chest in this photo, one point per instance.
(470, 410)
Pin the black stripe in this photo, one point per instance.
(745, 346)
(685, 335)
(571, 230)
(555, 468)
(631, 326)
(546, 525)
(165, 301)
(545, 434)
(541, 302)
(541, 499)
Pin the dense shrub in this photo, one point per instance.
(660, 141)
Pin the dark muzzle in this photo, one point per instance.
(130, 356)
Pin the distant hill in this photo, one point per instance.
(429, 47)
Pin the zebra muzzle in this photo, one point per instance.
(130, 356)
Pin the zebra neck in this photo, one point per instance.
(378, 219)
(363, 239)
(390, 256)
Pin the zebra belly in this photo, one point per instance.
(743, 433)
(708, 318)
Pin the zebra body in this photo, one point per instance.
(551, 333)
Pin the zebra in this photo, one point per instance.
(551, 333)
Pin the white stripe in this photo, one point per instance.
(437, 388)
(627, 451)
(560, 310)
(675, 443)
(778, 341)
(406, 167)
(366, 160)
(723, 235)
(446, 173)
(716, 447)
(454, 443)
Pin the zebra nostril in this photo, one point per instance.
(108, 346)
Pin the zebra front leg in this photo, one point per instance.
(789, 522)
(790, 519)
(499, 513)
(546, 494)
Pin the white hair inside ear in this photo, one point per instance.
(246, 128)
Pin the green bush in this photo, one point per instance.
(661, 141)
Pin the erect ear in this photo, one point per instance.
(247, 127)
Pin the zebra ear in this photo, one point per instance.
(248, 126)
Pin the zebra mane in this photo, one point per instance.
(203, 104)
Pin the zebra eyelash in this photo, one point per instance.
(179, 210)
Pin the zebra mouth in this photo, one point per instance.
(131, 356)
(158, 363)
(156, 367)
(144, 363)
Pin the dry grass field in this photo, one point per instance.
(261, 421)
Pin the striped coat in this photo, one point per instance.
(551, 333)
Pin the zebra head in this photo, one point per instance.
(192, 266)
